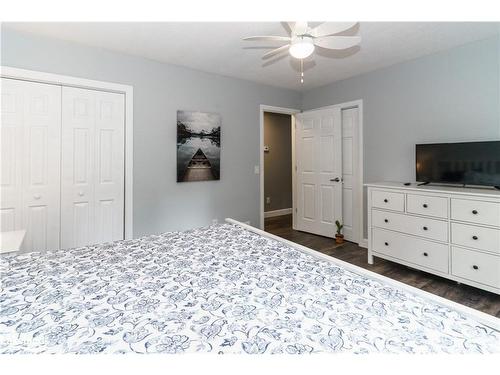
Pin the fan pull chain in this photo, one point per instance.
(301, 71)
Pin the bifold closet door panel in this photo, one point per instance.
(31, 146)
(77, 162)
(109, 166)
(92, 170)
(12, 136)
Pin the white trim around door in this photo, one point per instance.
(128, 91)
(288, 111)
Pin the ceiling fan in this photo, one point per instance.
(303, 39)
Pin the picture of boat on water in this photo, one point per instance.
(198, 146)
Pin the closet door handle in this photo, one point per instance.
(336, 179)
(81, 193)
(475, 267)
(425, 205)
(474, 212)
(426, 255)
(425, 228)
(386, 200)
(37, 196)
(386, 221)
(474, 237)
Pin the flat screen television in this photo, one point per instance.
(467, 163)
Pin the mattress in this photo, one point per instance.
(218, 289)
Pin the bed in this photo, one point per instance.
(226, 288)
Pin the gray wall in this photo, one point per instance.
(278, 161)
(161, 204)
(449, 96)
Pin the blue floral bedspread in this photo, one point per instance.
(219, 289)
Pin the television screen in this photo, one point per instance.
(469, 163)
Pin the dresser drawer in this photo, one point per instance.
(418, 226)
(388, 200)
(478, 212)
(477, 237)
(418, 251)
(427, 205)
(479, 267)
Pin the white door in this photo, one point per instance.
(350, 136)
(109, 177)
(319, 171)
(92, 172)
(30, 162)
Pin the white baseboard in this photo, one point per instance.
(284, 211)
(363, 243)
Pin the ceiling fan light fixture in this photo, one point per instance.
(302, 47)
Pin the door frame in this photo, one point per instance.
(358, 202)
(287, 111)
(127, 90)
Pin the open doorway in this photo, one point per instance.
(327, 171)
(266, 110)
(278, 188)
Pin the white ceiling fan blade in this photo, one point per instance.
(337, 42)
(268, 38)
(276, 51)
(299, 28)
(331, 28)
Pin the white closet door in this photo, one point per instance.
(77, 161)
(12, 136)
(31, 139)
(319, 171)
(109, 167)
(92, 170)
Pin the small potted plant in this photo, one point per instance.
(339, 237)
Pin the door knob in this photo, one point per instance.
(81, 194)
(37, 196)
(336, 179)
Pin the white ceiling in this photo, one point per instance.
(217, 47)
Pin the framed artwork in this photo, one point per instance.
(198, 146)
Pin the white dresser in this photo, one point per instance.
(448, 231)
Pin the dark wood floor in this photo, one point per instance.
(476, 298)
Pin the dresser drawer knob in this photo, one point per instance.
(474, 212)
(474, 237)
(425, 205)
(426, 255)
(386, 243)
(386, 221)
(425, 228)
(386, 200)
(475, 267)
